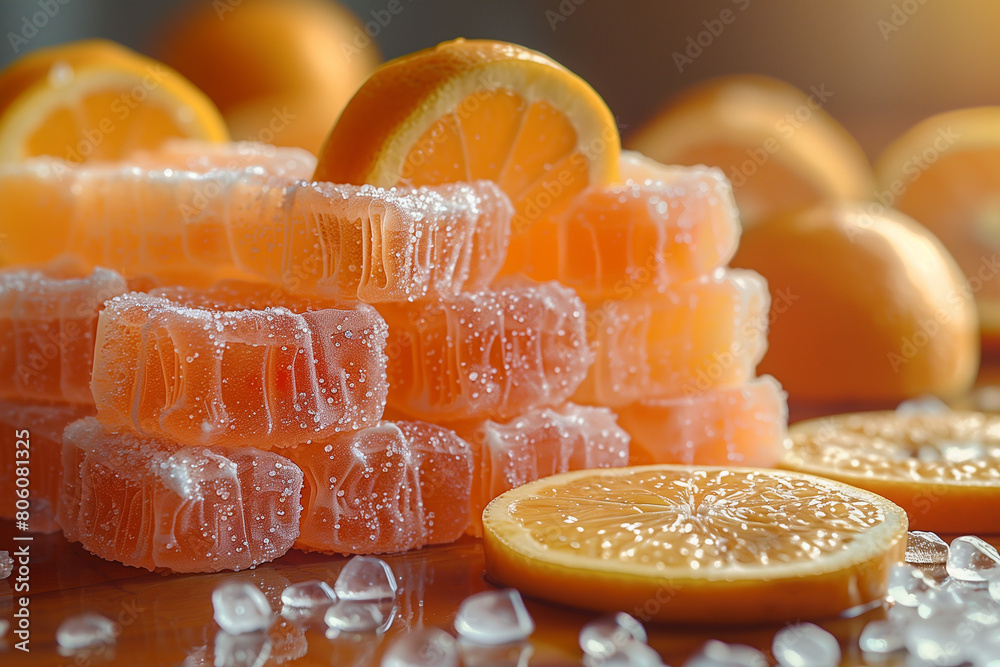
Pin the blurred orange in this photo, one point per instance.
(280, 70)
(96, 99)
(865, 306)
(945, 172)
(777, 145)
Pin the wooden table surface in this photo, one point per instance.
(167, 619)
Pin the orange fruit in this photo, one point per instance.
(942, 468)
(945, 172)
(695, 545)
(480, 109)
(864, 306)
(280, 70)
(777, 145)
(94, 100)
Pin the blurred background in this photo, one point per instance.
(887, 63)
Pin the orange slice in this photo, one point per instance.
(695, 545)
(945, 172)
(97, 100)
(943, 469)
(775, 142)
(480, 109)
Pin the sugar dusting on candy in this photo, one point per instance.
(266, 378)
(494, 353)
(388, 488)
(538, 443)
(152, 504)
(47, 327)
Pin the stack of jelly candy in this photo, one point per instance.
(48, 321)
(676, 334)
(340, 368)
(240, 377)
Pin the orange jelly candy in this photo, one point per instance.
(494, 353)
(388, 488)
(674, 225)
(47, 327)
(539, 443)
(737, 426)
(36, 431)
(203, 156)
(195, 228)
(262, 378)
(149, 503)
(691, 337)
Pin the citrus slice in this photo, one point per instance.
(945, 172)
(480, 109)
(775, 142)
(695, 545)
(943, 469)
(96, 99)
